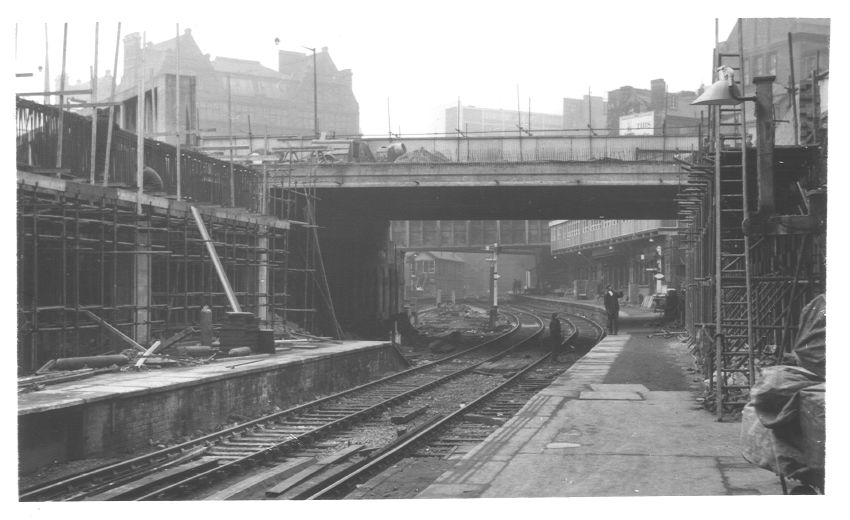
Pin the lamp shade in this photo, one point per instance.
(719, 93)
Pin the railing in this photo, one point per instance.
(204, 179)
(488, 149)
(584, 232)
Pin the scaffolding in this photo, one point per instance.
(87, 247)
(754, 249)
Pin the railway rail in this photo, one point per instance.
(234, 457)
(212, 457)
(468, 425)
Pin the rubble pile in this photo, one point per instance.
(422, 156)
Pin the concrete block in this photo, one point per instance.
(611, 396)
(597, 387)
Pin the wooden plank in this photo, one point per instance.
(113, 331)
(303, 475)
(320, 481)
(406, 416)
(175, 338)
(245, 487)
(484, 419)
(45, 367)
(139, 486)
(147, 353)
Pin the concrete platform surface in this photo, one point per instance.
(134, 383)
(611, 427)
(627, 310)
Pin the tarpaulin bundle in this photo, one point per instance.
(810, 345)
(784, 424)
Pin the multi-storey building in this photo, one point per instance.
(589, 112)
(671, 113)
(225, 96)
(766, 53)
(496, 121)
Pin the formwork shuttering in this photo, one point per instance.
(81, 248)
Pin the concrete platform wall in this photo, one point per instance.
(120, 426)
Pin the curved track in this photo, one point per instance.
(472, 423)
(176, 471)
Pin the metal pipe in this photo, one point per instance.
(177, 117)
(766, 141)
(230, 133)
(222, 275)
(108, 152)
(793, 92)
(140, 131)
(61, 131)
(94, 108)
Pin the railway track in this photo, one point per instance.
(179, 470)
(284, 450)
(469, 425)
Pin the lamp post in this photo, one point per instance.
(315, 96)
(494, 285)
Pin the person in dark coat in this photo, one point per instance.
(555, 336)
(612, 308)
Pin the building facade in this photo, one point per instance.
(766, 53)
(639, 257)
(671, 112)
(229, 96)
(496, 121)
(431, 272)
(589, 112)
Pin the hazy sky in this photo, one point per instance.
(421, 56)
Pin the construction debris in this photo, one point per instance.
(117, 334)
(421, 156)
(90, 362)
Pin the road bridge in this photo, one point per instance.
(493, 178)
(531, 190)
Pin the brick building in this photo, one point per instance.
(766, 53)
(261, 99)
(671, 112)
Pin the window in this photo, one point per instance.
(673, 102)
(758, 66)
(772, 61)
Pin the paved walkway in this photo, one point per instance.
(623, 421)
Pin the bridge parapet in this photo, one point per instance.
(203, 180)
(475, 149)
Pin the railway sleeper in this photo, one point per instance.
(139, 487)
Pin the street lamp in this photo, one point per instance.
(315, 98)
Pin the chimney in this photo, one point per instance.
(657, 99)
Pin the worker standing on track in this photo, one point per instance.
(612, 307)
(555, 336)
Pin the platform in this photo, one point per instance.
(622, 421)
(123, 412)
